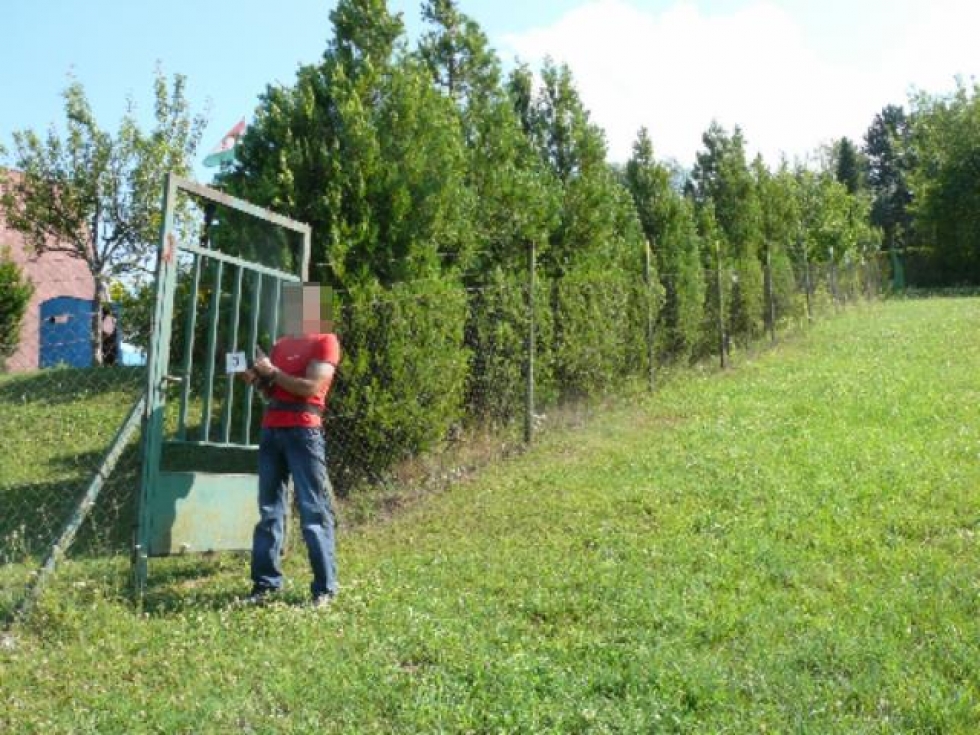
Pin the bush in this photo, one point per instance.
(15, 295)
(784, 289)
(747, 289)
(685, 286)
(600, 329)
(497, 334)
(402, 378)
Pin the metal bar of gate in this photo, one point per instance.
(213, 315)
(275, 312)
(241, 205)
(234, 317)
(253, 339)
(188, 362)
(232, 260)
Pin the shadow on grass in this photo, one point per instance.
(60, 386)
(36, 513)
(209, 583)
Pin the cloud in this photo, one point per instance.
(760, 67)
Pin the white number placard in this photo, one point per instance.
(236, 362)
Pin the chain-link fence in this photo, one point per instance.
(437, 377)
(63, 406)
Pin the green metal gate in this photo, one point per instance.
(193, 498)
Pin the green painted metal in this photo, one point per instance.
(240, 205)
(234, 318)
(253, 340)
(158, 359)
(648, 297)
(218, 445)
(529, 387)
(189, 512)
(211, 354)
(898, 270)
(275, 316)
(188, 362)
(239, 262)
(193, 510)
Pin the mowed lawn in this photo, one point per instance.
(790, 546)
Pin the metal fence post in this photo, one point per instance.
(806, 281)
(722, 347)
(529, 404)
(770, 295)
(833, 279)
(647, 280)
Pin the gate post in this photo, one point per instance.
(157, 360)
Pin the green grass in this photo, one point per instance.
(57, 423)
(56, 426)
(787, 547)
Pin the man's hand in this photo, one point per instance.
(252, 377)
(263, 367)
(248, 376)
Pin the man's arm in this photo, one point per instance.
(319, 375)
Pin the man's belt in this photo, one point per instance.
(277, 405)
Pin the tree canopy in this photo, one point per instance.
(94, 195)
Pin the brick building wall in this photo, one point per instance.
(53, 274)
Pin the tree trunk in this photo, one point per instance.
(98, 302)
(98, 298)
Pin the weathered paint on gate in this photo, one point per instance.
(193, 511)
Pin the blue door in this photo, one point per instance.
(66, 332)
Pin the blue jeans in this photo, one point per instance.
(299, 452)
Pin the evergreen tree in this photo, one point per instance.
(517, 196)
(721, 176)
(368, 152)
(780, 210)
(669, 226)
(848, 168)
(574, 149)
(517, 200)
(886, 145)
(458, 54)
(945, 146)
(597, 251)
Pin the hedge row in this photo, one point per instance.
(427, 360)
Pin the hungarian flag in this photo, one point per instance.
(225, 150)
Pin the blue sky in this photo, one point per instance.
(794, 74)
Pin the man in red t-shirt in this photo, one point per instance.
(296, 378)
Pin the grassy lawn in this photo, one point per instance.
(55, 427)
(787, 547)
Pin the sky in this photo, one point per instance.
(793, 74)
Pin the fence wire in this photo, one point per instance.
(436, 379)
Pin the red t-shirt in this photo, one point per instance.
(292, 355)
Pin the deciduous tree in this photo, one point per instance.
(94, 195)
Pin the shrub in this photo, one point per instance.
(784, 289)
(402, 377)
(497, 333)
(600, 328)
(15, 295)
(747, 298)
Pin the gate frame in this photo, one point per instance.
(158, 356)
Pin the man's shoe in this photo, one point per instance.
(259, 595)
(321, 602)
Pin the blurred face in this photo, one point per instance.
(306, 309)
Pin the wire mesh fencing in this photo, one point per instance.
(437, 377)
(71, 382)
